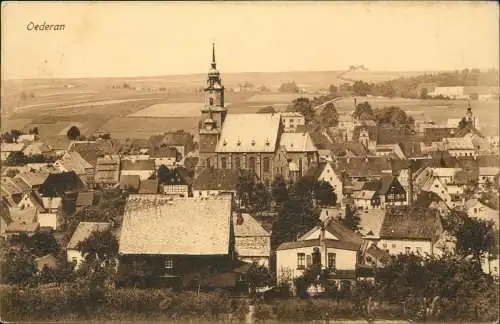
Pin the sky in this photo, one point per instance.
(119, 39)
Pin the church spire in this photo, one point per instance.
(213, 55)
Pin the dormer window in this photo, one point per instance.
(211, 101)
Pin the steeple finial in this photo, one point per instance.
(213, 54)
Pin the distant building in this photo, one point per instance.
(107, 171)
(291, 120)
(143, 168)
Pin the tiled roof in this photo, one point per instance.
(23, 220)
(218, 179)
(371, 222)
(73, 161)
(11, 147)
(91, 150)
(249, 133)
(36, 148)
(249, 227)
(488, 171)
(460, 143)
(130, 181)
(10, 187)
(297, 142)
(84, 230)
(417, 221)
(363, 167)
(85, 198)
(58, 143)
(344, 148)
(32, 179)
(154, 224)
(138, 165)
(379, 254)
(364, 194)
(149, 186)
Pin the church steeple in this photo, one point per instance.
(213, 111)
(213, 56)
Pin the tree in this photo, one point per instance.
(34, 131)
(257, 275)
(332, 89)
(164, 174)
(296, 215)
(424, 94)
(7, 137)
(393, 116)
(16, 158)
(329, 115)
(303, 106)
(260, 198)
(73, 133)
(100, 248)
(15, 134)
(18, 267)
(289, 87)
(474, 237)
(279, 190)
(363, 111)
(245, 189)
(351, 219)
(361, 88)
(266, 110)
(324, 194)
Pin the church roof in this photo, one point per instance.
(249, 133)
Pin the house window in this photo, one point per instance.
(266, 164)
(301, 261)
(169, 264)
(74, 259)
(407, 249)
(211, 101)
(251, 163)
(475, 210)
(384, 246)
(331, 260)
(309, 260)
(393, 245)
(208, 163)
(223, 163)
(237, 162)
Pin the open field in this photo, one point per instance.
(272, 98)
(143, 127)
(436, 110)
(170, 110)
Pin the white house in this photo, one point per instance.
(291, 120)
(459, 146)
(143, 168)
(487, 175)
(475, 208)
(82, 232)
(331, 247)
(7, 149)
(252, 241)
(325, 172)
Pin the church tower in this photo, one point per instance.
(213, 114)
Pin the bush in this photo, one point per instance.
(68, 302)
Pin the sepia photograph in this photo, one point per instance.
(249, 162)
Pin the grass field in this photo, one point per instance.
(170, 110)
(142, 127)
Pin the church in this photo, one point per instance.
(255, 142)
